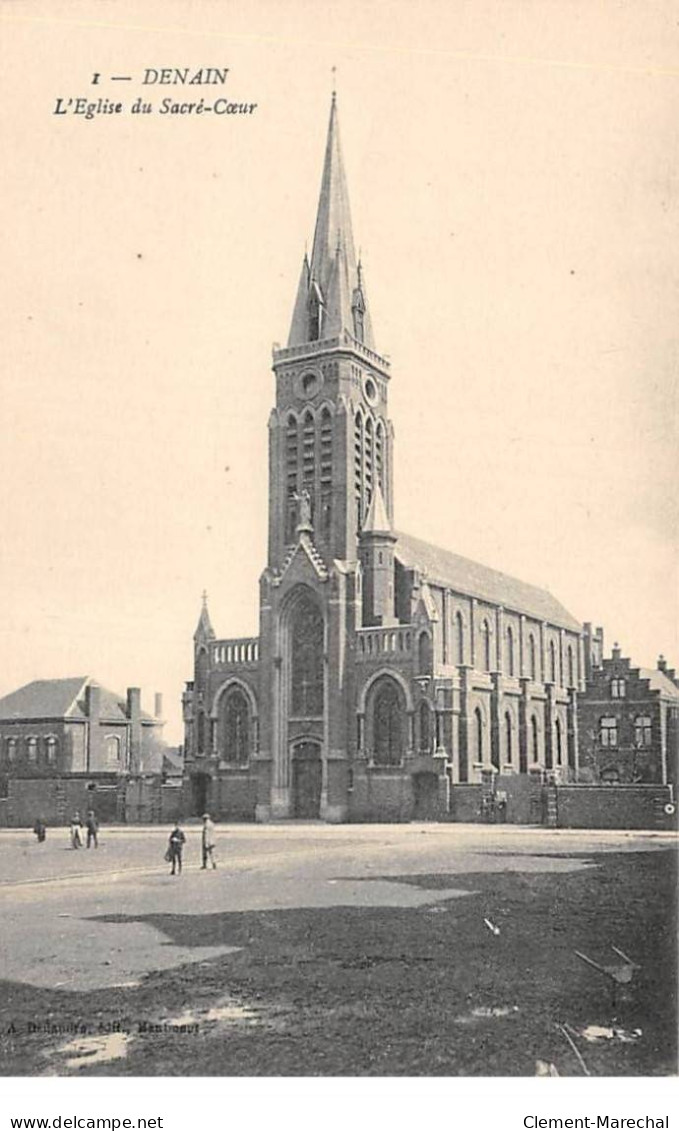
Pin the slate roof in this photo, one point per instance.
(659, 681)
(62, 699)
(476, 580)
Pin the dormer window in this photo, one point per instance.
(617, 688)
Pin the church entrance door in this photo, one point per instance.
(306, 780)
(426, 790)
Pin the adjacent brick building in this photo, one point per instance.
(387, 673)
(628, 718)
(63, 741)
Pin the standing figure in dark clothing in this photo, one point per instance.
(175, 849)
(40, 829)
(92, 826)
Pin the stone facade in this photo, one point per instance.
(387, 672)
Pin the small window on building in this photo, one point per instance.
(535, 738)
(617, 688)
(112, 751)
(485, 635)
(643, 734)
(532, 672)
(552, 662)
(51, 750)
(510, 651)
(459, 637)
(570, 666)
(508, 737)
(608, 732)
(11, 749)
(425, 738)
(478, 726)
(557, 741)
(32, 749)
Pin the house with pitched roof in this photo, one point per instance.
(71, 737)
(388, 675)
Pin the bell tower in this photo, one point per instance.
(330, 440)
(330, 455)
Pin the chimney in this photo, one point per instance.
(95, 757)
(93, 701)
(134, 716)
(158, 705)
(662, 663)
(615, 653)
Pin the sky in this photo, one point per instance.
(512, 170)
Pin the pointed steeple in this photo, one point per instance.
(204, 629)
(330, 296)
(377, 520)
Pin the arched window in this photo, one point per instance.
(388, 724)
(535, 738)
(508, 738)
(459, 637)
(51, 748)
(557, 741)
(200, 732)
(509, 659)
(11, 749)
(478, 734)
(202, 663)
(552, 661)
(234, 725)
(112, 751)
(425, 728)
(424, 653)
(314, 310)
(358, 469)
(32, 748)
(643, 734)
(326, 473)
(306, 660)
(291, 461)
(532, 672)
(485, 637)
(569, 655)
(379, 454)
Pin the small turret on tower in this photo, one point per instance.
(377, 543)
(204, 630)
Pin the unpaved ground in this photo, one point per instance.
(381, 950)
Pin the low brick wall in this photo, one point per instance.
(614, 807)
(382, 795)
(55, 800)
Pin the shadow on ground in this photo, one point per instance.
(432, 990)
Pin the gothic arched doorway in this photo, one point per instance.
(307, 776)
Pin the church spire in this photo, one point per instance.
(330, 296)
(204, 629)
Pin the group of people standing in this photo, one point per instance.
(177, 841)
(76, 830)
(91, 826)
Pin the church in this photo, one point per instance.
(389, 676)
